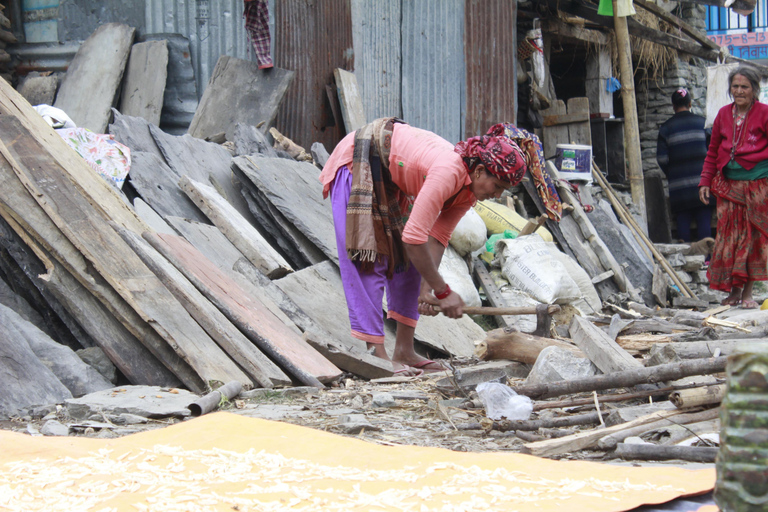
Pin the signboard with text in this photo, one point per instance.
(749, 45)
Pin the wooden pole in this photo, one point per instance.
(625, 379)
(631, 127)
(627, 218)
(661, 452)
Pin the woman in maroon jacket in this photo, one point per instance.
(736, 172)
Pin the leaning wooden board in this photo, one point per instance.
(272, 336)
(263, 371)
(87, 229)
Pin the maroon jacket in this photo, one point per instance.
(753, 146)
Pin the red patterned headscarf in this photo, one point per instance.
(499, 154)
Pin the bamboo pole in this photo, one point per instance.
(631, 127)
(639, 234)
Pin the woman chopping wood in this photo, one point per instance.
(397, 193)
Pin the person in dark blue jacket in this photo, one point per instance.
(680, 151)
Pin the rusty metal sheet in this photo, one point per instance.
(313, 38)
(490, 52)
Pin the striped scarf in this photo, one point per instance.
(374, 222)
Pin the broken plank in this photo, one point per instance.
(241, 233)
(93, 78)
(239, 92)
(144, 81)
(262, 371)
(492, 292)
(557, 120)
(86, 228)
(279, 342)
(349, 97)
(601, 349)
(555, 134)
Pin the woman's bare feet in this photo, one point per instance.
(747, 302)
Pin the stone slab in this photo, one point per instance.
(144, 81)
(555, 364)
(147, 401)
(98, 69)
(239, 92)
(39, 90)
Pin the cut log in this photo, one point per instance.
(625, 379)
(516, 346)
(93, 78)
(262, 371)
(588, 438)
(610, 441)
(242, 234)
(706, 454)
(692, 350)
(603, 351)
(695, 397)
(280, 343)
(622, 397)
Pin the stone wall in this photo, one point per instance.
(654, 96)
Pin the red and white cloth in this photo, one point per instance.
(256, 16)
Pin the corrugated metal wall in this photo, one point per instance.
(433, 66)
(214, 28)
(490, 49)
(376, 36)
(312, 38)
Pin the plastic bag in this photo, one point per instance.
(501, 402)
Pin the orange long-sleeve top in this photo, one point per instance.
(430, 175)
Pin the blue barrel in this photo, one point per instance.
(40, 18)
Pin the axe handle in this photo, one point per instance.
(530, 310)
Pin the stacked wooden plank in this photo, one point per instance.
(73, 220)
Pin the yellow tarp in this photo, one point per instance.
(227, 462)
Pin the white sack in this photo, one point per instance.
(528, 265)
(455, 272)
(470, 233)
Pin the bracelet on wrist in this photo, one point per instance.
(444, 294)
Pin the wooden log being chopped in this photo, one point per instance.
(516, 346)
(600, 348)
(706, 395)
(705, 454)
(609, 442)
(242, 234)
(589, 438)
(279, 342)
(625, 379)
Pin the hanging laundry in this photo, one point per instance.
(256, 16)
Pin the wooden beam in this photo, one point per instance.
(674, 20)
(556, 120)
(605, 353)
(574, 32)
